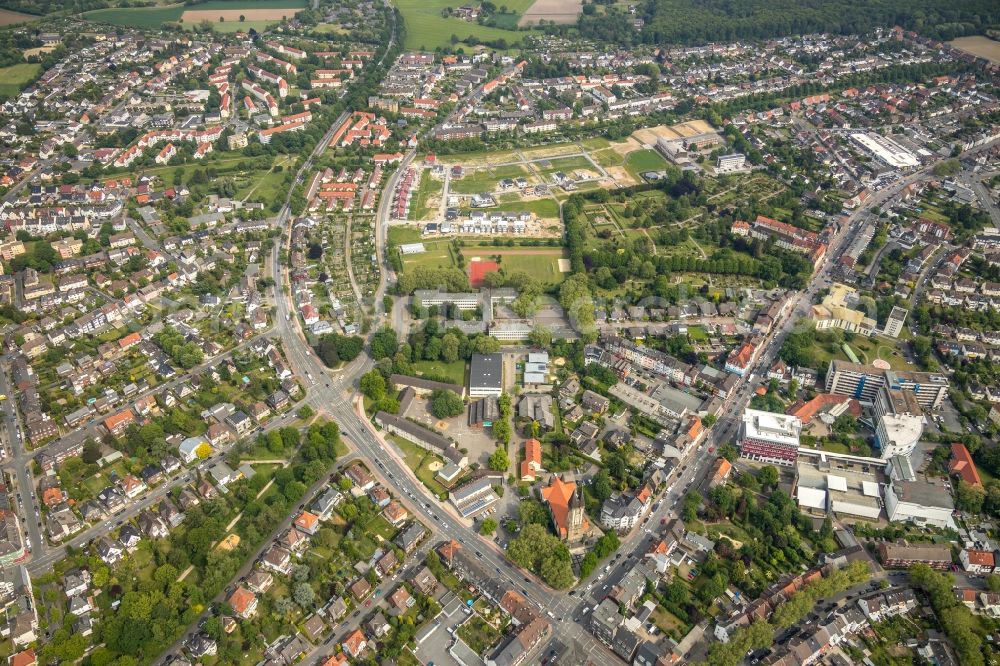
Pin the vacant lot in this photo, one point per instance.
(8, 17)
(558, 11)
(14, 78)
(984, 47)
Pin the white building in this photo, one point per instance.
(894, 324)
(908, 499)
(769, 438)
(730, 163)
(885, 149)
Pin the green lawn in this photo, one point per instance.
(485, 179)
(427, 30)
(646, 159)
(381, 527)
(436, 256)
(566, 164)
(420, 461)
(400, 235)
(15, 78)
(453, 372)
(697, 334)
(668, 623)
(540, 207)
(265, 186)
(608, 157)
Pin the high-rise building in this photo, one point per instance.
(863, 382)
(894, 324)
(768, 437)
(899, 422)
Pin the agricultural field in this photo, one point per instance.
(979, 46)
(426, 29)
(258, 14)
(8, 17)
(13, 79)
(554, 11)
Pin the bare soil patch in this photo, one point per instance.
(627, 146)
(620, 175)
(558, 11)
(233, 15)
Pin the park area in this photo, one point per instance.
(257, 14)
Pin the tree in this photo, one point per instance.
(539, 551)
(445, 404)
(768, 476)
(488, 526)
(449, 348)
(501, 430)
(601, 487)
(91, 451)
(384, 343)
(709, 420)
(540, 336)
(729, 452)
(968, 498)
(498, 460)
(372, 385)
(303, 594)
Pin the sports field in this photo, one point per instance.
(426, 29)
(270, 12)
(13, 79)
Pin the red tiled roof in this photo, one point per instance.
(962, 464)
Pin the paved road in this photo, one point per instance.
(17, 464)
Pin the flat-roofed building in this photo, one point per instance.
(917, 500)
(768, 437)
(905, 555)
(894, 324)
(840, 486)
(863, 383)
(486, 375)
(475, 496)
